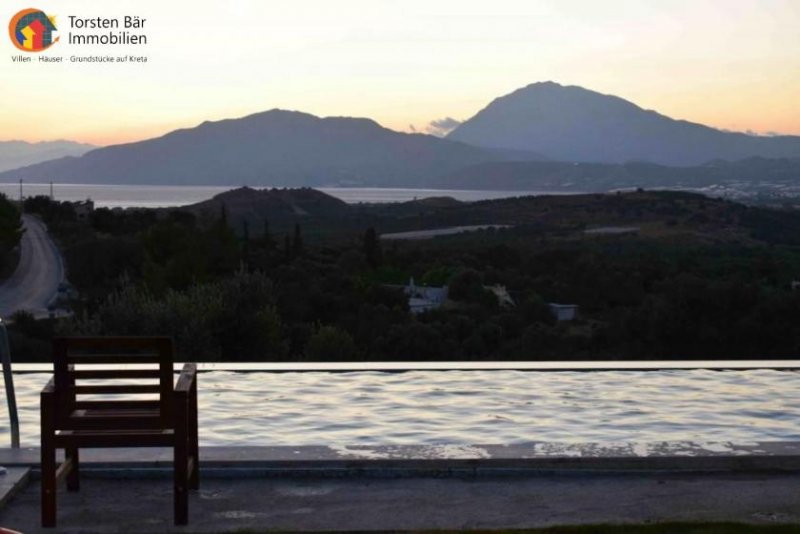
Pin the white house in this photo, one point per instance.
(563, 312)
(422, 299)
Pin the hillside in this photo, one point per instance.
(276, 148)
(681, 216)
(278, 202)
(569, 123)
(656, 275)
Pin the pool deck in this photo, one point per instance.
(418, 487)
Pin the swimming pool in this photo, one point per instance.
(477, 406)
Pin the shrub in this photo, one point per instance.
(233, 319)
(330, 344)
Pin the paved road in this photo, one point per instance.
(40, 270)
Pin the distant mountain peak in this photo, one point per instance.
(571, 123)
(548, 84)
(16, 153)
(278, 117)
(548, 93)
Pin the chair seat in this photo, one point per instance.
(114, 419)
(122, 412)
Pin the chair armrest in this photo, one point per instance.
(49, 388)
(187, 378)
(47, 410)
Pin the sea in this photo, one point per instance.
(162, 196)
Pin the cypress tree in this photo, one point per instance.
(297, 243)
(372, 247)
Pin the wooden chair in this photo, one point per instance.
(71, 421)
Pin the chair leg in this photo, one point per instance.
(48, 484)
(181, 489)
(194, 449)
(48, 458)
(180, 463)
(73, 478)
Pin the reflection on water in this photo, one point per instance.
(478, 407)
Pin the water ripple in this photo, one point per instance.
(478, 407)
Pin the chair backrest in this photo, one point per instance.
(115, 401)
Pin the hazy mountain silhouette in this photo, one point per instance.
(569, 123)
(15, 154)
(272, 148)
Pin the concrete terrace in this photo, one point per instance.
(419, 487)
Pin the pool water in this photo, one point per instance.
(477, 407)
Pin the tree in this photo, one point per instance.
(330, 344)
(245, 242)
(180, 255)
(221, 248)
(372, 248)
(266, 239)
(297, 242)
(10, 228)
(534, 309)
(466, 285)
(234, 318)
(287, 247)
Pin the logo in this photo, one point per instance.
(31, 30)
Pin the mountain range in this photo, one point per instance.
(280, 148)
(529, 139)
(15, 154)
(569, 123)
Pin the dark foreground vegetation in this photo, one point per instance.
(10, 234)
(308, 279)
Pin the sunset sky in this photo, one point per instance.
(732, 64)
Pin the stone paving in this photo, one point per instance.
(418, 487)
(348, 504)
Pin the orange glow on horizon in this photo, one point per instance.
(144, 132)
(726, 64)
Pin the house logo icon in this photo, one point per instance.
(31, 30)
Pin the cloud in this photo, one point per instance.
(441, 127)
(755, 133)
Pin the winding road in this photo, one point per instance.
(35, 282)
